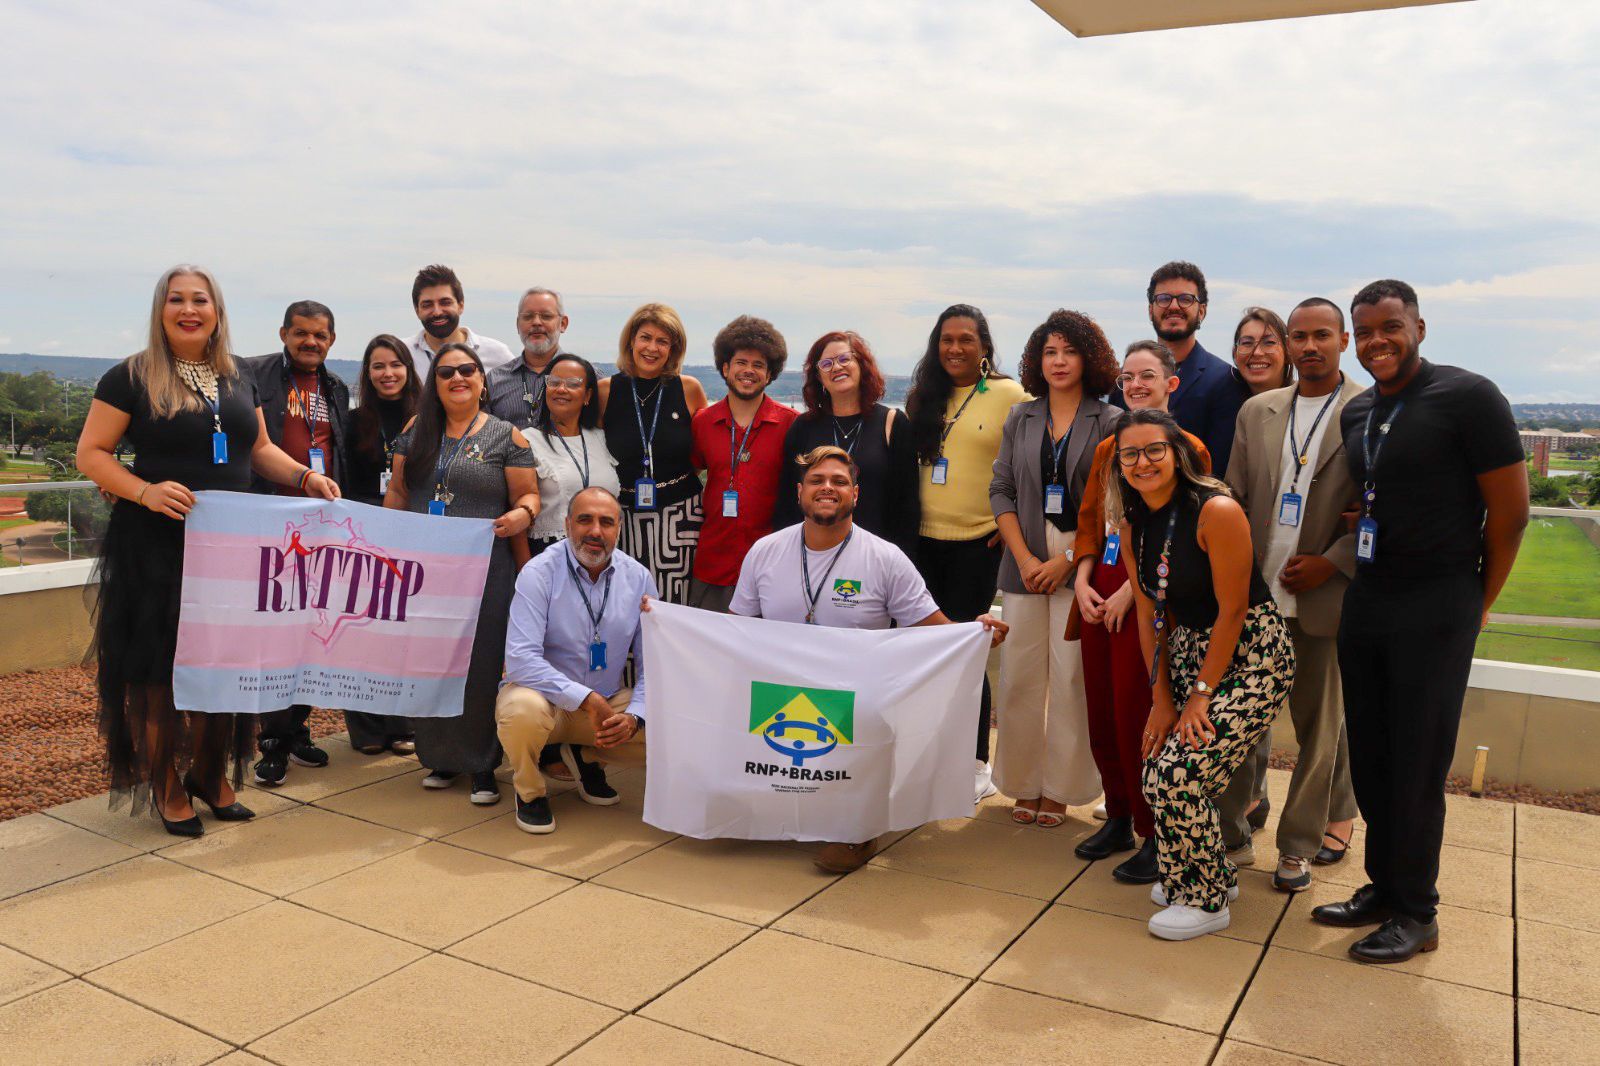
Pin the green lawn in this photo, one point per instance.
(1557, 573)
(1575, 649)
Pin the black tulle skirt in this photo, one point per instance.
(135, 605)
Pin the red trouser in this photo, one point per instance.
(1116, 682)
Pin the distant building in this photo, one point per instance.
(1558, 440)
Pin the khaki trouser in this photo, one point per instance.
(527, 722)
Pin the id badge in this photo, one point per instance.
(1113, 550)
(1055, 499)
(1289, 509)
(436, 507)
(644, 494)
(941, 471)
(1367, 539)
(219, 447)
(597, 655)
(383, 483)
(314, 461)
(730, 504)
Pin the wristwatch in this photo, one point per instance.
(1202, 689)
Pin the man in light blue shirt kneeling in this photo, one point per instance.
(574, 621)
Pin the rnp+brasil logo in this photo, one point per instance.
(801, 723)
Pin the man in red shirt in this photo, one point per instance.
(738, 442)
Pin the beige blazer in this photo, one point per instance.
(1255, 469)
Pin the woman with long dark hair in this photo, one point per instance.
(194, 424)
(1221, 661)
(843, 388)
(456, 460)
(958, 404)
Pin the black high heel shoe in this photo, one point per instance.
(187, 827)
(233, 812)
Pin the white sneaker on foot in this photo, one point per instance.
(1101, 814)
(985, 783)
(1186, 923)
(1158, 895)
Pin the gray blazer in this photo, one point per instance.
(1017, 486)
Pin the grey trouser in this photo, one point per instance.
(710, 597)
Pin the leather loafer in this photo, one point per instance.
(1366, 907)
(845, 858)
(1396, 940)
(1143, 869)
(1116, 835)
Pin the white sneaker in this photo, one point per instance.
(1158, 895)
(985, 783)
(1101, 814)
(1186, 923)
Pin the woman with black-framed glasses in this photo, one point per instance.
(1221, 661)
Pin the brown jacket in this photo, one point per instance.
(1254, 471)
(1091, 535)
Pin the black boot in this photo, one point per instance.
(1116, 835)
(1143, 869)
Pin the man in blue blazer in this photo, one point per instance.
(1209, 395)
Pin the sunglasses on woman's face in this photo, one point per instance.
(466, 370)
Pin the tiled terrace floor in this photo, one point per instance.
(360, 919)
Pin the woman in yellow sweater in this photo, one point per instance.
(958, 405)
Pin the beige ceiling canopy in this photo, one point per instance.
(1093, 18)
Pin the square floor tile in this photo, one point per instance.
(921, 920)
(277, 962)
(604, 945)
(73, 1024)
(291, 851)
(748, 881)
(1479, 880)
(1557, 1034)
(852, 1009)
(1007, 858)
(636, 1041)
(402, 803)
(1114, 963)
(118, 911)
(433, 895)
(1565, 837)
(40, 850)
(439, 1010)
(241, 1058)
(1234, 1053)
(1559, 965)
(1370, 1015)
(999, 1026)
(144, 832)
(346, 769)
(1251, 917)
(1557, 895)
(21, 976)
(1475, 948)
(587, 840)
(1481, 824)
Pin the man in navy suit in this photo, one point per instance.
(1208, 397)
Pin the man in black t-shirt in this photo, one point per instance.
(1444, 500)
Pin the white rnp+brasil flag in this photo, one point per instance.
(775, 731)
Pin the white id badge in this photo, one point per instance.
(1366, 540)
(941, 471)
(730, 504)
(1055, 499)
(315, 462)
(644, 494)
(383, 483)
(1289, 509)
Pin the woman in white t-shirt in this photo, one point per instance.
(569, 448)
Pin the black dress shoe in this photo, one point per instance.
(1327, 856)
(1366, 907)
(1116, 835)
(1258, 817)
(1143, 869)
(233, 812)
(1397, 940)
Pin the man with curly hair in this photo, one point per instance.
(738, 442)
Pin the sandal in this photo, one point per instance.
(1327, 856)
(1024, 815)
(1048, 820)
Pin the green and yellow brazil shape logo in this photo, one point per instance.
(801, 723)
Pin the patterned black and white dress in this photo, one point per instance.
(664, 539)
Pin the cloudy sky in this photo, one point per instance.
(834, 164)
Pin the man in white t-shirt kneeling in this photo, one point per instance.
(827, 571)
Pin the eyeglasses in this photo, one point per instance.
(1143, 377)
(546, 317)
(843, 359)
(466, 370)
(1184, 299)
(1246, 344)
(570, 384)
(1155, 451)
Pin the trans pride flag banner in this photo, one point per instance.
(341, 604)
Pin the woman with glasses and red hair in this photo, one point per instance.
(843, 387)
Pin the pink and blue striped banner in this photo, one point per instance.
(340, 605)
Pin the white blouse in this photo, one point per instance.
(560, 462)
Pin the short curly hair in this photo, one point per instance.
(1086, 338)
(747, 333)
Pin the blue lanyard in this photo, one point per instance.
(584, 469)
(441, 471)
(1057, 448)
(944, 434)
(1303, 453)
(813, 595)
(528, 396)
(737, 448)
(648, 442)
(594, 618)
(1370, 452)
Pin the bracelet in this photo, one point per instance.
(304, 477)
(531, 516)
(139, 499)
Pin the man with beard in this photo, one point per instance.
(1444, 500)
(851, 579)
(305, 407)
(1207, 399)
(437, 298)
(738, 442)
(574, 621)
(516, 388)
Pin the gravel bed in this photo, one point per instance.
(1585, 802)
